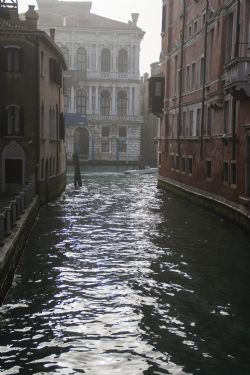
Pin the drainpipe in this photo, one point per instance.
(181, 75)
(204, 84)
(38, 65)
(234, 106)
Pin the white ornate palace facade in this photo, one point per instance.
(102, 83)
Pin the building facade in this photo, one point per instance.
(102, 83)
(204, 146)
(31, 101)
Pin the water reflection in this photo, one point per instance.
(119, 277)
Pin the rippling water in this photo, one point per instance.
(121, 278)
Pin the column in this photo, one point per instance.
(130, 110)
(90, 100)
(72, 100)
(113, 109)
(114, 58)
(97, 100)
(96, 62)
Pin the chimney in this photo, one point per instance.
(31, 17)
(135, 17)
(52, 33)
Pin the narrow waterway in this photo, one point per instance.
(119, 277)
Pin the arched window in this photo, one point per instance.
(122, 104)
(65, 52)
(105, 60)
(81, 102)
(122, 61)
(105, 103)
(81, 60)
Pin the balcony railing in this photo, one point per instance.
(77, 76)
(237, 71)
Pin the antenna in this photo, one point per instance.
(8, 4)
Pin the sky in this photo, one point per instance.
(120, 10)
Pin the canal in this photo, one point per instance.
(119, 277)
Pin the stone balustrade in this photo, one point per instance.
(14, 210)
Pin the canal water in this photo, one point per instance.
(119, 277)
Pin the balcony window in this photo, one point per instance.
(122, 104)
(81, 102)
(229, 38)
(105, 103)
(105, 60)
(123, 61)
(81, 60)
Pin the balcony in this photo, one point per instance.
(76, 118)
(113, 76)
(114, 118)
(237, 75)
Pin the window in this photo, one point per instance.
(105, 145)
(193, 76)
(105, 131)
(122, 145)
(183, 164)
(42, 121)
(123, 61)
(105, 103)
(122, 131)
(190, 31)
(191, 123)
(14, 121)
(233, 173)
(81, 102)
(177, 162)
(229, 37)
(122, 104)
(42, 64)
(209, 120)
(175, 74)
(202, 67)
(225, 172)
(208, 169)
(42, 169)
(184, 123)
(227, 122)
(210, 53)
(81, 60)
(190, 165)
(198, 122)
(195, 26)
(172, 162)
(14, 59)
(204, 19)
(187, 78)
(105, 60)
(66, 101)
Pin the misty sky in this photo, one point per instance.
(120, 10)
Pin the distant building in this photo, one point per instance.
(31, 103)
(205, 114)
(102, 83)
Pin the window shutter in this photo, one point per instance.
(4, 122)
(22, 121)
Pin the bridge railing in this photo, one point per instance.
(14, 210)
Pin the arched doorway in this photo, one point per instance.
(13, 168)
(81, 143)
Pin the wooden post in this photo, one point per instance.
(77, 172)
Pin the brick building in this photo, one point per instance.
(31, 104)
(204, 147)
(102, 83)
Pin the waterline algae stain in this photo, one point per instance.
(121, 278)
